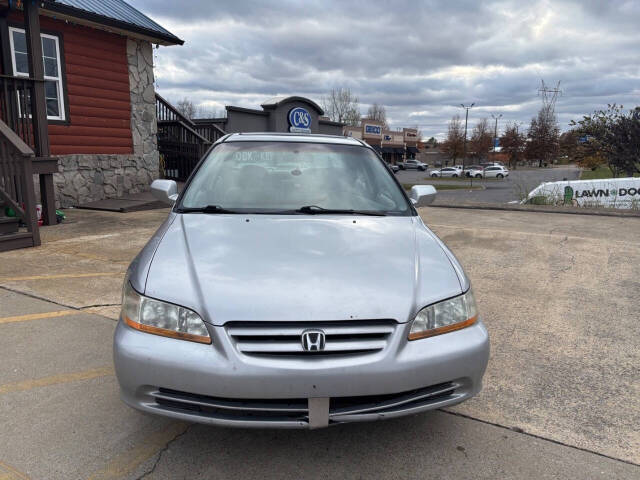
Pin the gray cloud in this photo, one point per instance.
(419, 59)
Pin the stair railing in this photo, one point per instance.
(16, 179)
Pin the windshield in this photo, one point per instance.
(264, 177)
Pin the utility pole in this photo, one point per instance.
(495, 131)
(466, 121)
(517, 124)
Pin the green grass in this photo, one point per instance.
(407, 186)
(601, 172)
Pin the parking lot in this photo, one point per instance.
(561, 396)
(499, 191)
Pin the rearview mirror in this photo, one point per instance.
(422, 195)
(165, 190)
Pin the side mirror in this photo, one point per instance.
(165, 191)
(422, 195)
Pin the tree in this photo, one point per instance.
(612, 136)
(481, 139)
(453, 145)
(340, 105)
(379, 113)
(512, 143)
(624, 143)
(432, 142)
(543, 136)
(581, 149)
(186, 107)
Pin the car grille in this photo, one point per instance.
(296, 411)
(284, 338)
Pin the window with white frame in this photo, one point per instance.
(52, 68)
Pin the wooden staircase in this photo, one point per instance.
(16, 193)
(181, 141)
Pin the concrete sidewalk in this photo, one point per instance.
(557, 292)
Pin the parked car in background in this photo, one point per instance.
(475, 171)
(492, 164)
(412, 164)
(446, 172)
(496, 172)
(326, 299)
(394, 168)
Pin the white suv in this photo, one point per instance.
(496, 172)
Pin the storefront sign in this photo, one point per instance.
(607, 192)
(372, 129)
(299, 120)
(387, 138)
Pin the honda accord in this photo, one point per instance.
(294, 285)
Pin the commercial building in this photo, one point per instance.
(280, 114)
(394, 145)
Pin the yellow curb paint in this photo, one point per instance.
(56, 379)
(7, 472)
(38, 316)
(129, 460)
(62, 275)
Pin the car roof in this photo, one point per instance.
(292, 137)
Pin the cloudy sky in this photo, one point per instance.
(420, 59)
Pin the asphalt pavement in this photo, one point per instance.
(500, 191)
(561, 396)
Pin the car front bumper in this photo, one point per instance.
(217, 384)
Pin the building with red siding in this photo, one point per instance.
(97, 67)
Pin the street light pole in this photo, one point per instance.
(466, 121)
(495, 132)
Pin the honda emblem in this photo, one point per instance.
(313, 340)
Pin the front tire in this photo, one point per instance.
(500, 175)
(478, 176)
(434, 175)
(455, 175)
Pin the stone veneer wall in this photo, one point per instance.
(87, 177)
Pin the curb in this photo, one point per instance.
(539, 209)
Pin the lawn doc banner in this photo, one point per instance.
(606, 192)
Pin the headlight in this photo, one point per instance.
(447, 316)
(161, 318)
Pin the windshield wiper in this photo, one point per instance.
(316, 210)
(206, 209)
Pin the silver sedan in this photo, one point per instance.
(293, 285)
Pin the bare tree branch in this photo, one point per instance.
(340, 105)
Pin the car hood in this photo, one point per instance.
(288, 268)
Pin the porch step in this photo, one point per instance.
(9, 225)
(12, 241)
